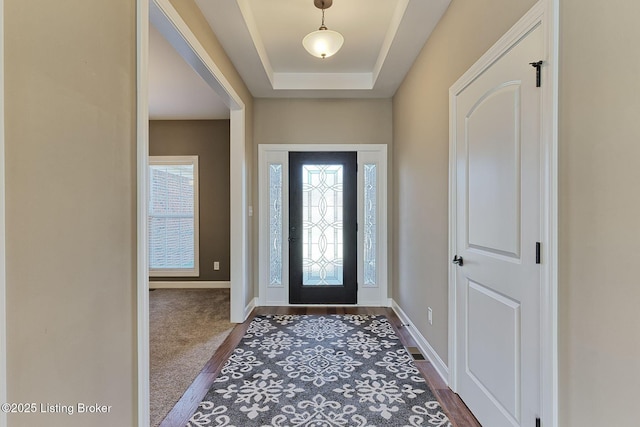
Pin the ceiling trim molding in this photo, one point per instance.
(392, 31)
(250, 22)
(325, 81)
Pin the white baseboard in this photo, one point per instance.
(249, 308)
(189, 285)
(387, 303)
(423, 344)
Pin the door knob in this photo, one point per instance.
(458, 260)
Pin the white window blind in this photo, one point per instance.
(173, 216)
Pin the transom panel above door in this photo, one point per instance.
(323, 224)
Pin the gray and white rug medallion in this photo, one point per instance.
(320, 371)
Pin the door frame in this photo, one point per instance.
(278, 295)
(545, 14)
(169, 22)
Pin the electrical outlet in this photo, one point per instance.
(216, 265)
(430, 315)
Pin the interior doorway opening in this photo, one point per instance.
(171, 25)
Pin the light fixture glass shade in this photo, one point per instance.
(323, 43)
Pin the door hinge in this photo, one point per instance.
(537, 66)
(538, 250)
(538, 424)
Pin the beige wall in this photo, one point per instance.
(209, 140)
(191, 14)
(599, 213)
(322, 121)
(421, 160)
(70, 197)
(319, 121)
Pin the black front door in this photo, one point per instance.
(322, 228)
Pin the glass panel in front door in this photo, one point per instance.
(322, 225)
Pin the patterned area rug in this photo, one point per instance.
(320, 371)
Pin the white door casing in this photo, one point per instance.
(274, 290)
(497, 217)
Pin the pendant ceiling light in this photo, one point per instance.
(323, 43)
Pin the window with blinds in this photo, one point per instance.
(173, 216)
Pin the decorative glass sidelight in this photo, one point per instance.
(322, 225)
(275, 225)
(370, 223)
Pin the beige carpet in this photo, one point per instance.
(186, 326)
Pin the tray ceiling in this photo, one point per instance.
(263, 39)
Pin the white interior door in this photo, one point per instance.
(497, 224)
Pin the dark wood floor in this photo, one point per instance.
(456, 410)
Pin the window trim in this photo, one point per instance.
(180, 160)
